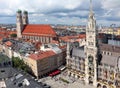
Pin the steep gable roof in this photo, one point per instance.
(38, 30)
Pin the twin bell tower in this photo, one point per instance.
(21, 21)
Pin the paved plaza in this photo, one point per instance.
(60, 84)
(55, 82)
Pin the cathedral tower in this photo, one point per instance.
(25, 18)
(19, 24)
(91, 49)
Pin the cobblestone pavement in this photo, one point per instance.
(55, 82)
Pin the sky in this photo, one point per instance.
(71, 12)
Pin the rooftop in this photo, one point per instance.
(79, 52)
(17, 79)
(39, 30)
(41, 55)
(8, 43)
(111, 48)
(75, 37)
(19, 46)
(110, 60)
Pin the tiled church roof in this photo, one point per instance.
(39, 30)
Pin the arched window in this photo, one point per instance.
(98, 85)
(118, 63)
(104, 86)
(90, 58)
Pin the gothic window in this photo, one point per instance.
(90, 36)
(111, 75)
(118, 63)
(90, 80)
(91, 25)
(90, 43)
(99, 71)
(99, 59)
(105, 74)
(90, 59)
(79, 67)
(71, 52)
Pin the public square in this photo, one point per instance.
(55, 82)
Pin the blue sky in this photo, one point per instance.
(61, 11)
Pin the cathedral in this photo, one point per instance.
(93, 63)
(34, 32)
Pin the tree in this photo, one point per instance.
(18, 63)
(13, 35)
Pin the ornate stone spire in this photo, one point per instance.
(91, 11)
(91, 14)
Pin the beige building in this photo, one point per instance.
(44, 62)
(115, 30)
(118, 31)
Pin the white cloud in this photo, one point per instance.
(39, 5)
(62, 11)
(110, 4)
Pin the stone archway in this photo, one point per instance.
(98, 85)
(104, 86)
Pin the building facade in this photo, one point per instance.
(44, 62)
(94, 64)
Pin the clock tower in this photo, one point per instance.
(91, 49)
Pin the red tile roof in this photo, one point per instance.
(39, 30)
(74, 38)
(63, 47)
(8, 43)
(37, 45)
(55, 42)
(11, 32)
(42, 55)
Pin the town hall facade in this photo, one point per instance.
(94, 64)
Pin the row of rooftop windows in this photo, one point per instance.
(107, 53)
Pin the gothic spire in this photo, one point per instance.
(91, 10)
(90, 5)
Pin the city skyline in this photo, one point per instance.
(61, 12)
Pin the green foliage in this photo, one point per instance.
(64, 80)
(18, 63)
(4, 58)
(13, 35)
